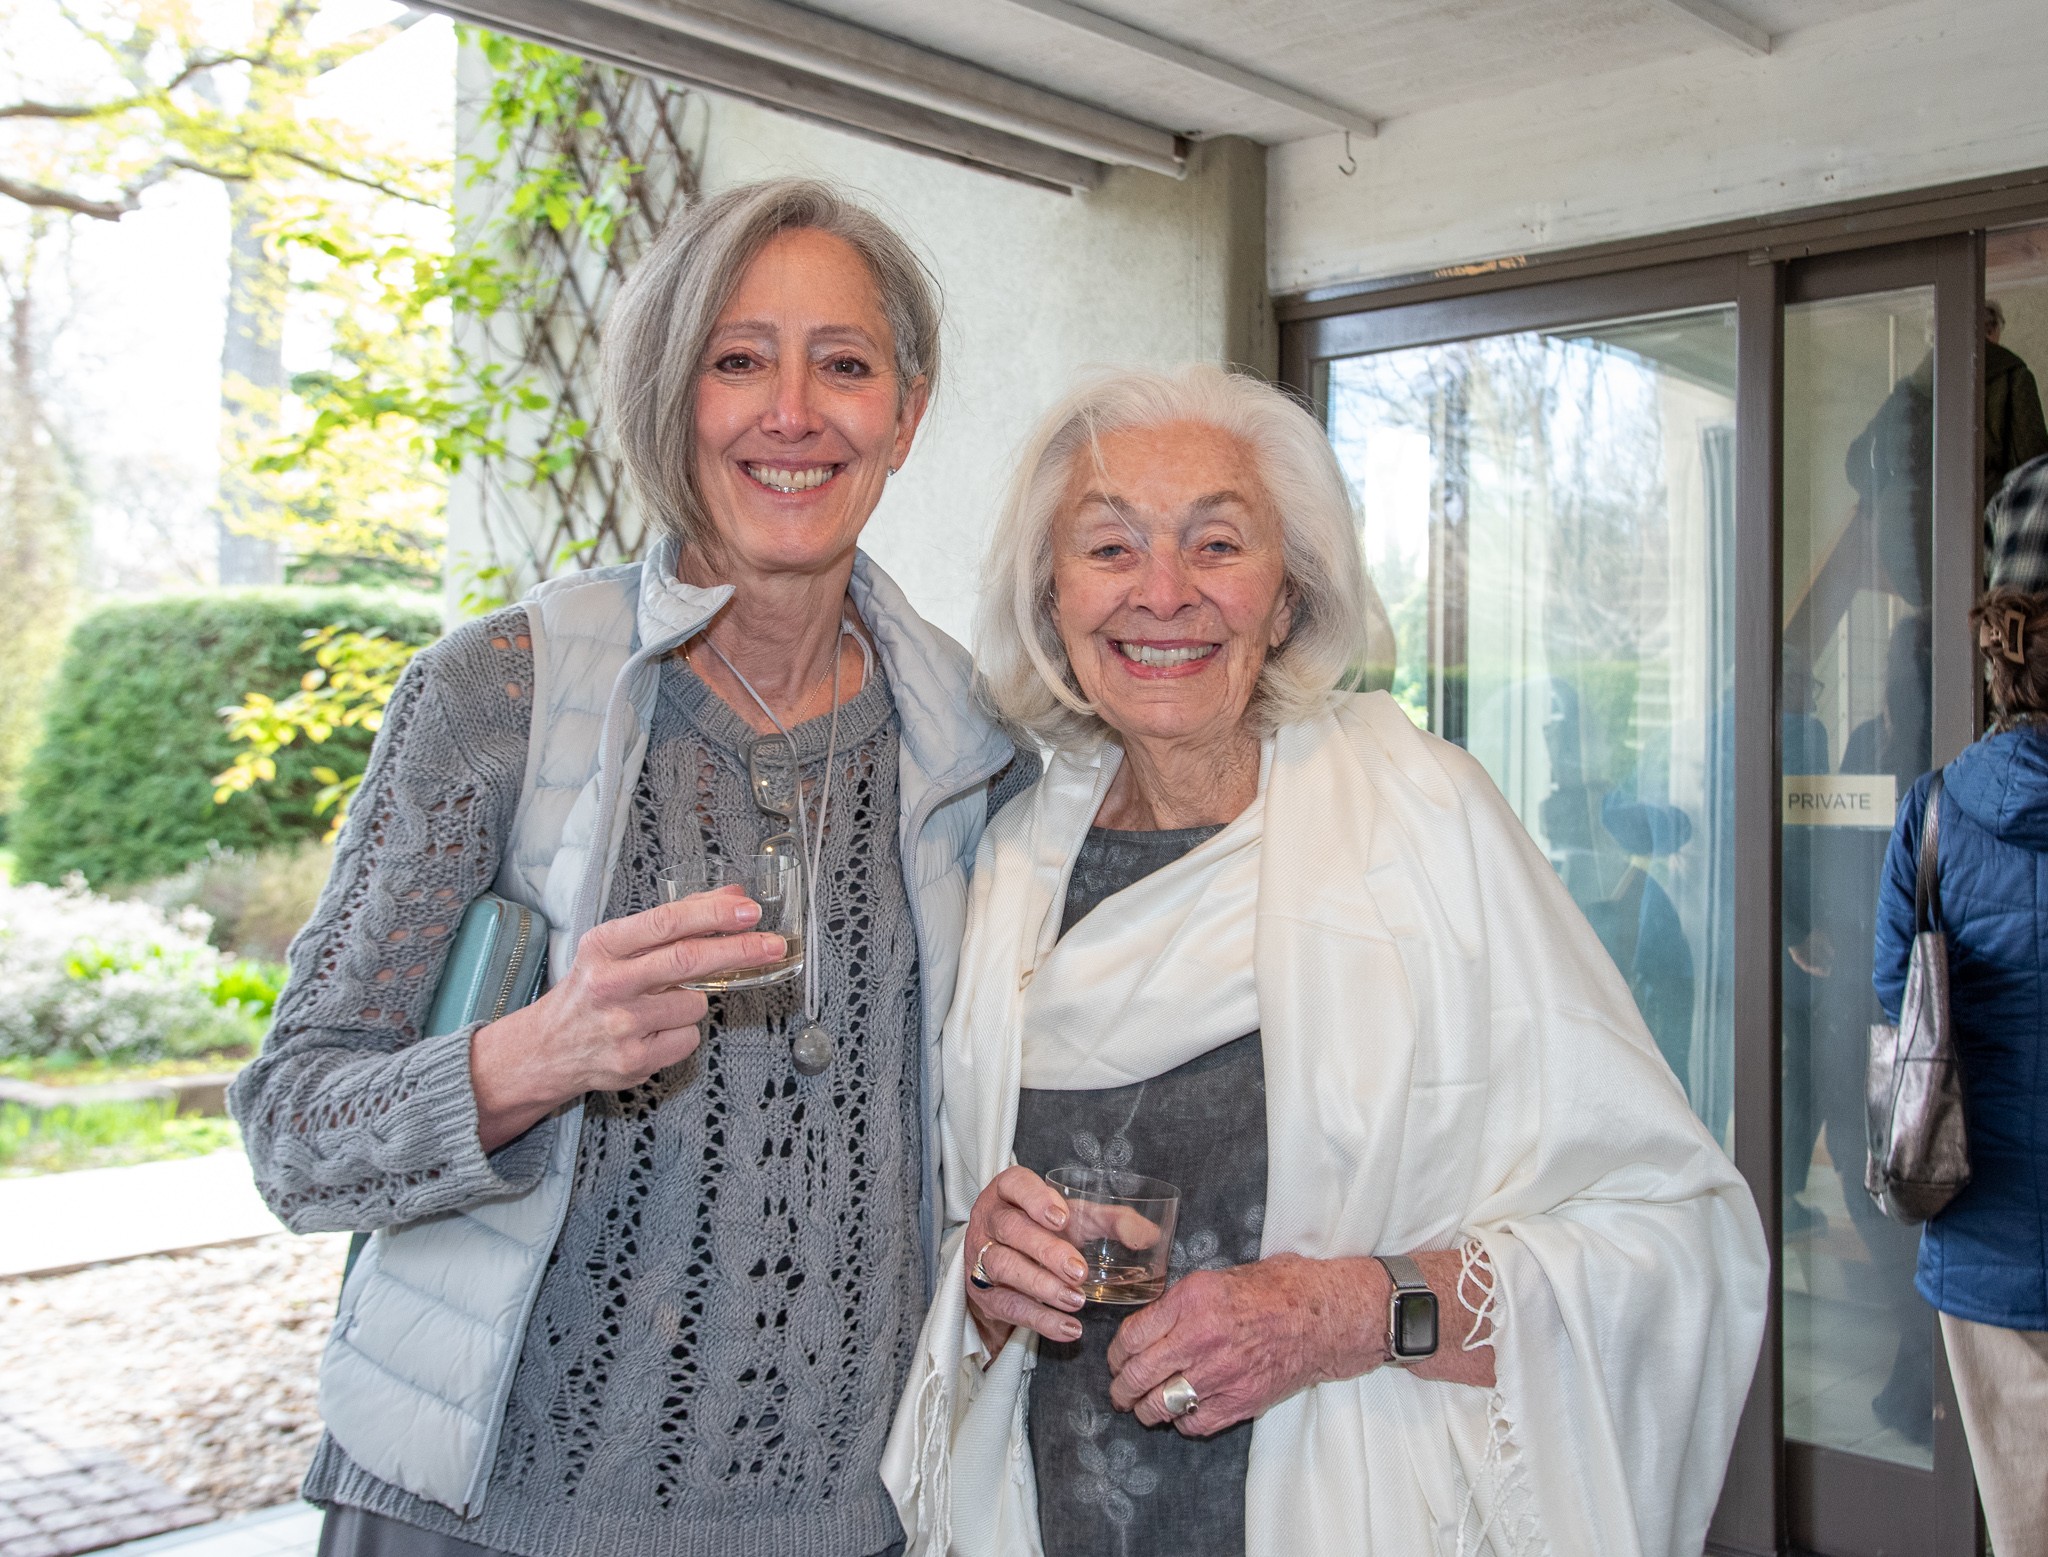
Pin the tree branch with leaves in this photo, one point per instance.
(348, 464)
(150, 105)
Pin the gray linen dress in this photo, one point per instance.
(1107, 1486)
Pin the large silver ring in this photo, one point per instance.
(1178, 1395)
(979, 1275)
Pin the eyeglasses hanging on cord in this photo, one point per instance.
(812, 1048)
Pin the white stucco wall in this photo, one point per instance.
(1143, 270)
(1918, 94)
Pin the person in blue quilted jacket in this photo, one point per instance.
(1984, 1260)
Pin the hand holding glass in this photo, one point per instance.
(1123, 1225)
(775, 881)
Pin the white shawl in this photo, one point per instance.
(1449, 1054)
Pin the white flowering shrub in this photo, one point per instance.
(90, 977)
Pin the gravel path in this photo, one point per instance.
(199, 1368)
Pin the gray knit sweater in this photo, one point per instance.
(724, 1326)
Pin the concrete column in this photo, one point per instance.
(1228, 179)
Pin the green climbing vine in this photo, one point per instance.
(476, 356)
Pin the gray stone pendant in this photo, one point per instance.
(811, 1049)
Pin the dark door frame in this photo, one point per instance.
(1869, 1507)
(1774, 1490)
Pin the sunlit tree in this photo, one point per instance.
(41, 507)
(102, 101)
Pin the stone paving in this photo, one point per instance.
(199, 1369)
(59, 1498)
(154, 1394)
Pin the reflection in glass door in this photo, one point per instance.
(1548, 516)
(2016, 324)
(1855, 733)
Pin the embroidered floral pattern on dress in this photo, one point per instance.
(1203, 1250)
(1113, 1155)
(1198, 1251)
(1111, 1476)
(1090, 1152)
(1106, 1487)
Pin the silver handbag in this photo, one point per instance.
(1913, 1091)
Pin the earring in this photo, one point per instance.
(894, 468)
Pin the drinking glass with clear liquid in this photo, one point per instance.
(775, 881)
(1122, 1223)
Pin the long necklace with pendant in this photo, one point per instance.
(811, 1048)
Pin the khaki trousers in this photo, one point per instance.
(2002, 1385)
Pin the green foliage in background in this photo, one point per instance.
(256, 902)
(403, 405)
(253, 986)
(346, 467)
(121, 788)
(104, 1135)
(326, 221)
(42, 506)
(88, 981)
(408, 388)
(353, 678)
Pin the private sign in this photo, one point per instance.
(1840, 800)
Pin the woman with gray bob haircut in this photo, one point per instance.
(648, 1262)
(1452, 1266)
(662, 322)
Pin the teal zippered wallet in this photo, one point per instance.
(495, 966)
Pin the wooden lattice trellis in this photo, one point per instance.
(558, 499)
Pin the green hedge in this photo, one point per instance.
(121, 787)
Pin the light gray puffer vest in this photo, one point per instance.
(420, 1362)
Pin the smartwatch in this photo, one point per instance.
(1411, 1311)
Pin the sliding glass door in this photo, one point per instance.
(1683, 555)
(1547, 514)
(1855, 706)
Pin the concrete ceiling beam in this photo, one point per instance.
(1722, 22)
(665, 55)
(1207, 65)
(793, 36)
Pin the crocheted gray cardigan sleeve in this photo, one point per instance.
(351, 1119)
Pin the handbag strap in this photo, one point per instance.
(1927, 879)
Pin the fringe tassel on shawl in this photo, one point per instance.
(1475, 1276)
(935, 1461)
(1509, 1529)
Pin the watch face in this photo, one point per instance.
(1414, 1324)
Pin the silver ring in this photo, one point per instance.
(1178, 1396)
(979, 1275)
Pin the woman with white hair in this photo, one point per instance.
(1456, 1268)
(648, 1267)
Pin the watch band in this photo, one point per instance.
(1411, 1311)
(1407, 1275)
